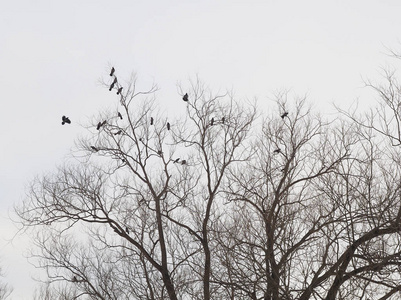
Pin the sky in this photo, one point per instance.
(53, 55)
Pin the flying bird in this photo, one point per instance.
(212, 122)
(94, 148)
(119, 90)
(284, 115)
(118, 132)
(277, 151)
(112, 71)
(113, 83)
(168, 126)
(151, 120)
(65, 120)
(185, 98)
(120, 116)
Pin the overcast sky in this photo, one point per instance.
(53, 53)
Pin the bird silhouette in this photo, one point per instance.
(119, 90)
(113, 83)
(223, 119)
(64, 120)
(74, 279)
(212, 122)
(151, 120)
(94, 148)
(120, 116)
(118, 132)
(168, 126)
(99, 125)
(104, 123)
(127, 230)
(112, 71)
(185, 98)
(277, 151)
(177, 160)
(183, 162)
(284, 115)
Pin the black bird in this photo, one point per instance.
(104, 123)
(127, 230)
(151, 120)
(277, 151)
(284, 115)
(74, 279)
(177, 160)
(168, 126)
(118, 132)
(94, 148)
(113, 83)
(223, 119)
(212, 122)
(159, 152)
(65, 120)
(119, 90)
(183, 162)
(99, 125)
(112, 71)
(185, 98)
(120, 116)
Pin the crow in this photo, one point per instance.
(119, 90)
(112, 71)
(284, 115)
(127, 230)
(151, 120)
(159, 152)
(183, 162)
(113, 83)
(120, 116)
(177, 160)
(99, 125)
(277, 151)
(94, 148)
(223, 119)
(185, 98)
(212, 122)
(118, 132)
(168, 126)
(65, 120)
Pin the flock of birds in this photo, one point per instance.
(66, 120)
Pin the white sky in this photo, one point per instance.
(53, 53)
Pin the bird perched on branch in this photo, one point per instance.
(113, 83)
(185, 98)
(183, 162)
(100, 124)
(112, 71)
(65, 120)
(119, 90)
(118, 132)
(151, 120)
(94, 148)
(284, 115)
(212, 122)
(120, 116)
(223, 119)
(168, 126)
(177, 160)
(277, 151)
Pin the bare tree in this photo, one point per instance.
(220, 204)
